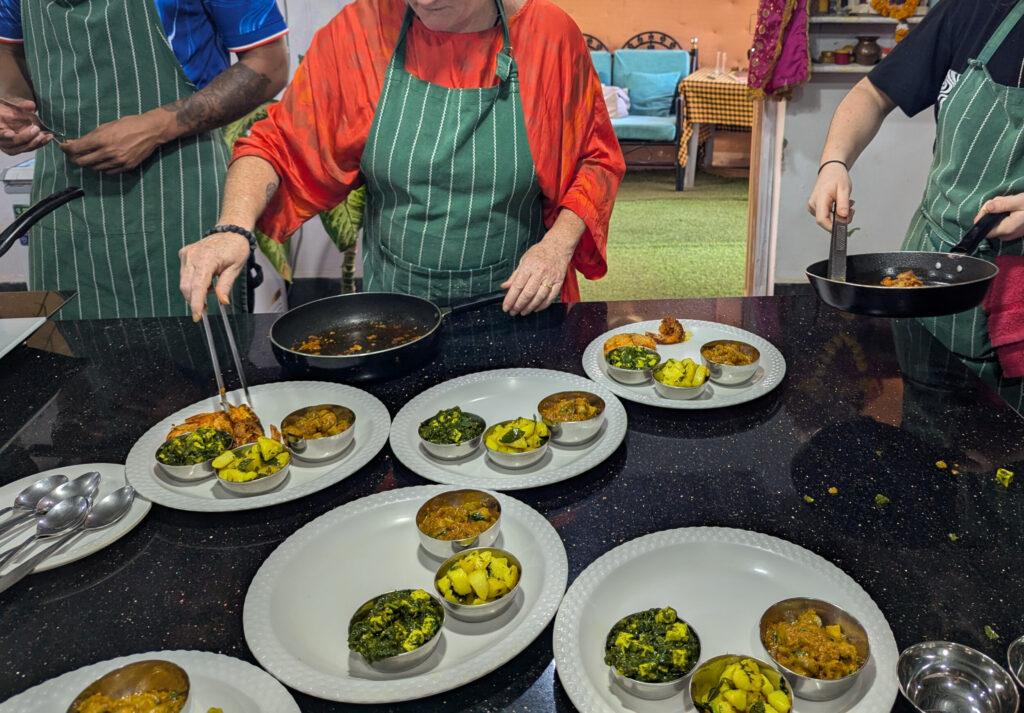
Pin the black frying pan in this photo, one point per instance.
(414, 321)
(33, 215)
(954, 281)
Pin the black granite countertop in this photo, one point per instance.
(867, 406)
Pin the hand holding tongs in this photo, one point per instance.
(32, 118)
(216, 363)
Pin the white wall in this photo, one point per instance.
(888, 179)
(14, 264)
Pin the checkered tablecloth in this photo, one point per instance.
(712, 99)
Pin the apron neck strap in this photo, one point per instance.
(505, 65)
(1008, 23)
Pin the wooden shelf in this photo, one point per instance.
(859, 19)
(819, 67)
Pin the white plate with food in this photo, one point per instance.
(272, 402)
(15, 330)
(112, 477)
(770, 369)
(720, 581)
(299, 604)
(215, 681)
(497, 396)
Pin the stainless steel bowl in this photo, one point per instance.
(679, 392)
(258, 485)
(515, 460)
(571, 432)
(443, 549)
(729, 374)
(194, 472)
(407, 659)
(479, 612)
(943, 677)
(135, 678)
(656, 691)
(454, 451)
(1015, 658)
(706, 675)
(631, 376)
(327, 447)
(806, 687)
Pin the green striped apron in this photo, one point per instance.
(453, 199)
(92, 62)
(979, 154)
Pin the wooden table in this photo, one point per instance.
(710, 100)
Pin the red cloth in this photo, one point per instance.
(1004, 308)
(315, 135)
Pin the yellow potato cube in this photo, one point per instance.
(444, 584)
(496, 588)
(834, 631)
(741, 680)
(736, 698)
(268, 447)
(460, 581)
(512, 576)
(779, 701)
(766, 687)
(478, 581)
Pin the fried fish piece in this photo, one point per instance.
(904, 279)
(217, 420)
(243, 424)
(669, 332)
(627, 339)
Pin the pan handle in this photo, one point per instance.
(977, 233)
(473, 302)
(34, 214)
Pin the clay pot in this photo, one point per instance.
(867, 51)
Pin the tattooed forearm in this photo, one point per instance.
(231, 95)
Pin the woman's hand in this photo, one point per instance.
(832, 187)
(221, 255)
(1010, 227)
(537, 281)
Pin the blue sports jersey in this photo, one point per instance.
(201, 32)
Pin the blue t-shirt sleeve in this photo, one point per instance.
(244, 23)
(10, 20)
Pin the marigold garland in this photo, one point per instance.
(896, 12)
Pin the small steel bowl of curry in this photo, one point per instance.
(729, 361)
(458, 520)
(154, 683)
(318, 433)
(572, 417)
(820, 648)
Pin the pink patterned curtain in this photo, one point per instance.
(781, 58)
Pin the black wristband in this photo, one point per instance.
(254, 269)
(224, 228)
(834, 160)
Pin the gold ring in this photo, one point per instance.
(547, 285)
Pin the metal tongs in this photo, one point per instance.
(837, 249)
(216, 362)
(34, 119)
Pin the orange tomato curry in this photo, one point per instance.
(810, 649)
(450, 522)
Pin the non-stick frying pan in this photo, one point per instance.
(33, 215)
(954, 281)
(353, 317)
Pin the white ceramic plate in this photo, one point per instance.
(768, 375)
(215, 680)
(496, 396)
(720, 580)
(299, 604)
(111, 478)
(272, 403)
(15, 330)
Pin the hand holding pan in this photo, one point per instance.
(953, 281)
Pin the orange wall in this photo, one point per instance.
(720, 25)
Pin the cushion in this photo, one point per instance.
(617, 101)
(602, 65)
(651, 94)
(645, 128)
(625, 61)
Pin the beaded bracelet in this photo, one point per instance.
(254, 269)
(834, 160)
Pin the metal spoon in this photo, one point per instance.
(27, 498)
(64, 516)
(106, 512)
(84, 485)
